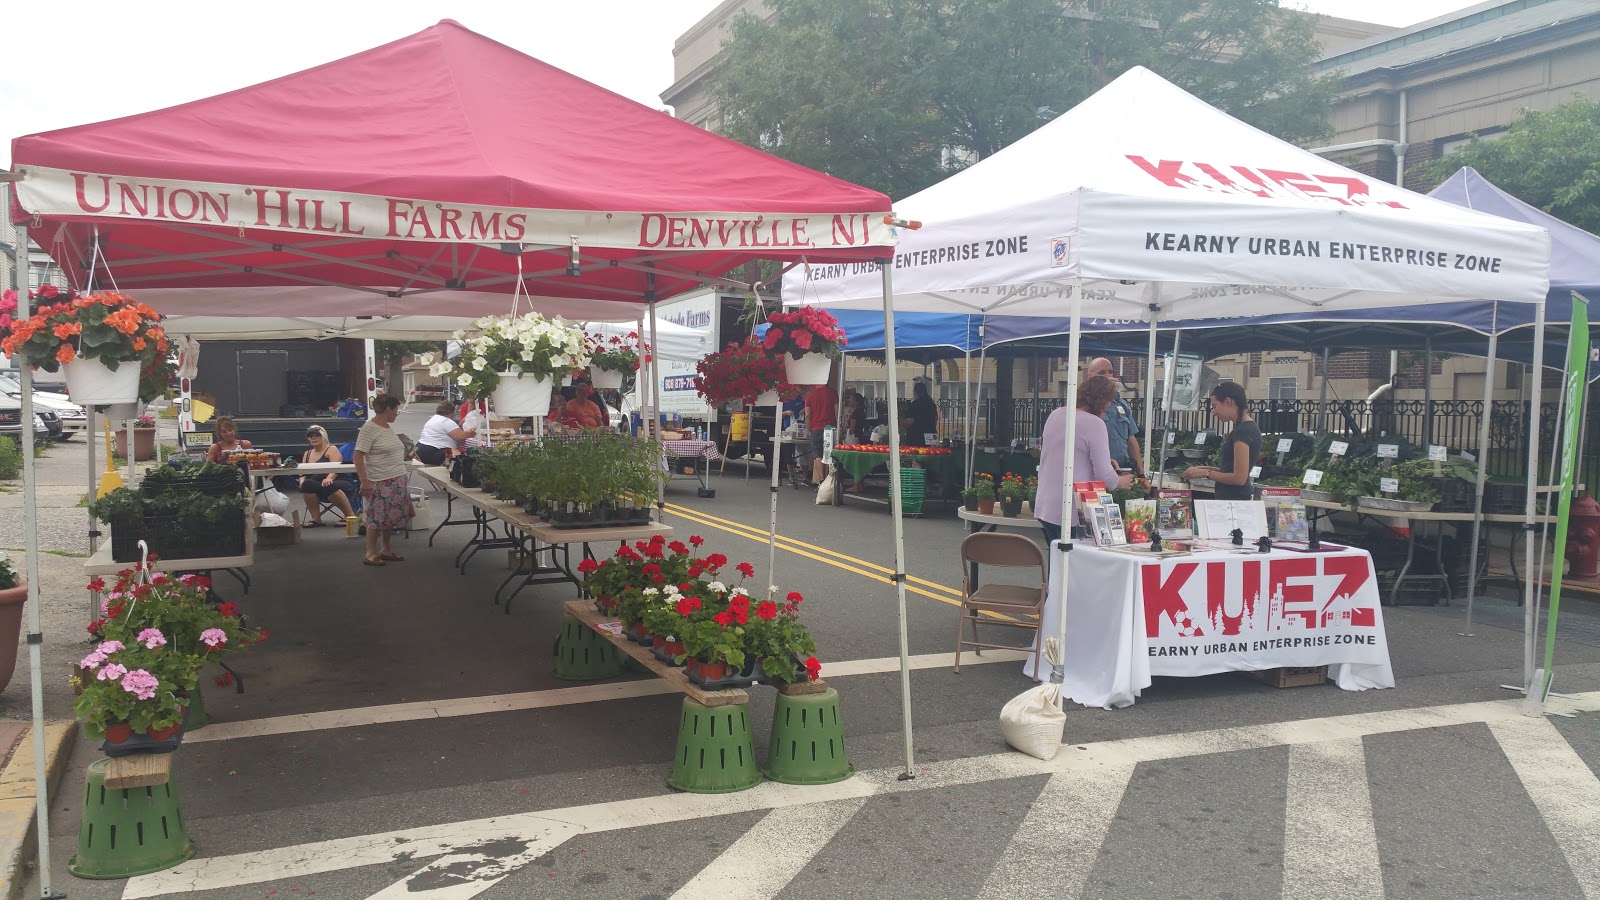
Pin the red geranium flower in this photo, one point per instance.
(746, 570)
(723, 618)
(229, 609)
(696, 540)
(588, 566)
(813, 668)
(767, 610)
(98, 585)
(794, 597)
(716, 560)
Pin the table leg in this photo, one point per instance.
(1411, 546)
(1438, 561)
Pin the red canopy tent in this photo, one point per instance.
(420, 177)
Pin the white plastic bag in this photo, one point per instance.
(825, 490)
(272, 500)
(1033, 721)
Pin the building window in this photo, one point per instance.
(1283, 388)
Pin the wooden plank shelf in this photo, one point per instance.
(584, 611)
(137, 770)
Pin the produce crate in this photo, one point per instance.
(1291, 676)
(169, 538)
(913, 490)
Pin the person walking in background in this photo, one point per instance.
(1239, 450)
(1122, 427)
(380, 461)
(1091, 460)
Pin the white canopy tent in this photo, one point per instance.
(1143, 203)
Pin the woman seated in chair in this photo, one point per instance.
(227, 439)
(335, 488)
(441, 437)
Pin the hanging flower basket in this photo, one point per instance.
(110, 348)
(809, 369)
(91, 382)
(742, 373)
(518, 348)
(519, 395)
(605, 379)
(808, 339)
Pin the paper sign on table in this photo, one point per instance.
(1437, 453)
(1313, 476)
(1285, 445)
(1389, 485)
(609, 627)
(1388, 451)
(930, 440)
(1338, 448)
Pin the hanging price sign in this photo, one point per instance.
(1201, 437)
(1338, 448)
(1388, 451)
(1285, 445)
(1436, 453)
(1313, 476)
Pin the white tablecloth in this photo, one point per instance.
(1130, 618)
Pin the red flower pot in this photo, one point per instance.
(986, 507)
(674, 648)
(713, 671)
(118, 732)
(161, 734)
(691, 665)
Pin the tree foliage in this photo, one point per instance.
(392, 353)
(1549, 159)
(880, 91)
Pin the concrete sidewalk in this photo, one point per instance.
(19, 794)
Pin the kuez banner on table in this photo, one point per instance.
(1220, 614)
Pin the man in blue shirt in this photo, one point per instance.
(1121, 426)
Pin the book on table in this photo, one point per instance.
(1140, 518)
(1175, 514)
(1286, 513)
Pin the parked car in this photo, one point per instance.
(11, 421)
(70, 416)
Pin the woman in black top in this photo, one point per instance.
(1239, 450)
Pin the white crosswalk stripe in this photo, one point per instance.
(1330, 846)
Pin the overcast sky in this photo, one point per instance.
(72, 62)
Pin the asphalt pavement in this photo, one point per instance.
(400, 735)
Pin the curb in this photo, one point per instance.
(18, 802)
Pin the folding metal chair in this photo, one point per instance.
(990, 548)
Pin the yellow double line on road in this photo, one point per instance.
(920, 586)
(914, 585)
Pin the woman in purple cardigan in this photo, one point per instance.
(1091, 459)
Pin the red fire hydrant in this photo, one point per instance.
(1583, 538)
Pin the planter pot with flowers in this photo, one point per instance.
(808, 340)
(13, 595)
(612, 359)
(109, 348)
(743, 373)
(1012, 492)
(983, 490)
(154, 636)
(144, 439)
(514, 360)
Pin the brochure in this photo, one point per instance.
(1217, 520)
(1175, 514)
(1286, 514)
(1140, 518)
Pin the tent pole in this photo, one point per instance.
(896, 506)
(1166, 409)
(92, 436)
(655, 394)
(1427, 390)
(1322, 394)
(972, 445)
(1063, 546)
(1483, 463)
(1149, 391)
(1529, 616)
(30, 525)
(967, 416)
